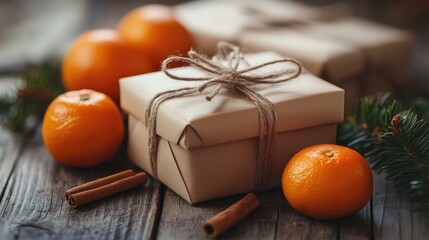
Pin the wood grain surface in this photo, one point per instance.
(33, 203)
(32, 206)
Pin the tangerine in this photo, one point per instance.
(82, 128)
(327, 181)
(97, 59)
(155, 30)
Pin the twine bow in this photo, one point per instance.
(223, 71)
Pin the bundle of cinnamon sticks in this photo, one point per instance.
(128, 179)
(104, 187)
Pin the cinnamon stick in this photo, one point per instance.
(99, 182)
(104, 187)
(230, 216)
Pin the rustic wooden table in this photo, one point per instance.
(32, 206)
(32, 184)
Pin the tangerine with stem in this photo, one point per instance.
(327, 181)
(82, 128)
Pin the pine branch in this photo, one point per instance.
(406, 161)
(394, 137)
(23, 111)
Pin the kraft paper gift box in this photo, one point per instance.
(386, 50)
(208, 149)
(357, 55)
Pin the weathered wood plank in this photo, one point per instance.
(396, 217)
(33, 206)
(357, 226)
(181, 220)
(274, 219)
(293, 225)
(10, 145)
(10, 149)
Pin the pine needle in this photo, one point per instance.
(394, 138)
(23, 112)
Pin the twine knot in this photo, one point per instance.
(223, 72)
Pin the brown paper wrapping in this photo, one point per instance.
(339, 49)
(220, 170)
(229, 19)
(209, 149)
(386, 50)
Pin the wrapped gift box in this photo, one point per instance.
(386, 50)
(208, 149)
(357, 55)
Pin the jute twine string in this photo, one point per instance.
(223, 71)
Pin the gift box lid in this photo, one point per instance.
(193, 122)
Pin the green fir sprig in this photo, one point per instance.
(37, 86)
(394, 137)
